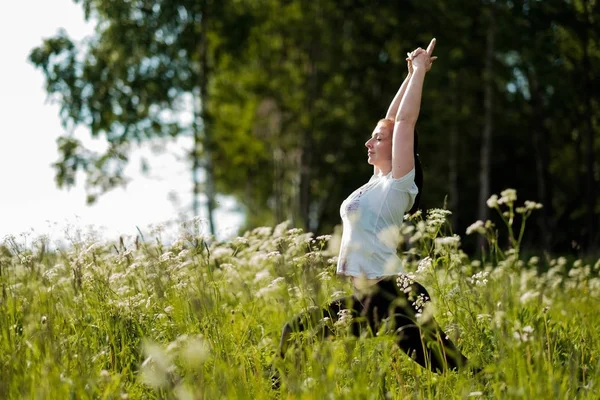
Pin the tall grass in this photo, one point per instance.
(196, 319)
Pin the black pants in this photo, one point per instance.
(392, 306)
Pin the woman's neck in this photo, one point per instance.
(385, 169)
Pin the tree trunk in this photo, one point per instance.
(541, 154)
(486, 139)
(307, 142)
(590, 185)
(202, 138)
(453, 156)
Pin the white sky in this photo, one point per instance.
(29, 126)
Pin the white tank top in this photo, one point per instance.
(372, 216)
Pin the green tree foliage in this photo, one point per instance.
(297, 86)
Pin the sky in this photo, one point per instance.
(29, 126)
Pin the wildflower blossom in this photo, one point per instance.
(308, 383)
(509, 196)
(344, 320)
(273, 254)
(420, 303)
(221, 252)
(443, 244)
(270, 288)
(262, 231)
(533, 261)
(261, 275)
(523, 335)
(390, 236)
(412, 216)
(404, 282)
(323, 237)
(436, 217)
(532, 205)
(166, 256)
(476, 227)
(492, 202)
(527, 296)
(475, 394)
(479, 279)
(156, 366)
(196, 351)
(424, 265)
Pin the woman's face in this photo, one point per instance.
(379, 146)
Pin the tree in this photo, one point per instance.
(128, 82)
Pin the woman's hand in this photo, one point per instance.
(421, 58)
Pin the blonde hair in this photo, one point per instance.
(388, 123)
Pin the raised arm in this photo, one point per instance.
(393, 108)
(408, 113)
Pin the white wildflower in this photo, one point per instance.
(166, 256)
(443, 244)
(273, 254)
(416, 237)
(475, 394)
(156, 366)
(337, 294)
(323, 238)
(324, 276)
(308, 383)
(390, 236)
(262, 231)
(528, 296)
(424, 265)
(270, 288)
(420, 303)
(105, 375)
(221, 252)
(532, 205)
(195, 352)
(294, 231)
(262, 275)
(492, 202)
(523, 335)
(509, 196)
(344, 320)
(413, 216)
(533, 261)
(476, 227)
(479, 279)
(404, 282)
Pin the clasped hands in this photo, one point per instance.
(421, 59)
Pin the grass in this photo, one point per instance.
(140, 319)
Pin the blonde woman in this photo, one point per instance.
(385, 298)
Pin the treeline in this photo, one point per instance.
(285, 93)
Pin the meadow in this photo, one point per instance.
(201, 319)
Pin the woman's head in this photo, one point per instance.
(380, 145)
(380, 153)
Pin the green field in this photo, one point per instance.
(141, 319)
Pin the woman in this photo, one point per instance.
(385, 297)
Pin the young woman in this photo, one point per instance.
(384, 297)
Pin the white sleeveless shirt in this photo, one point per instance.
(372, 216)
